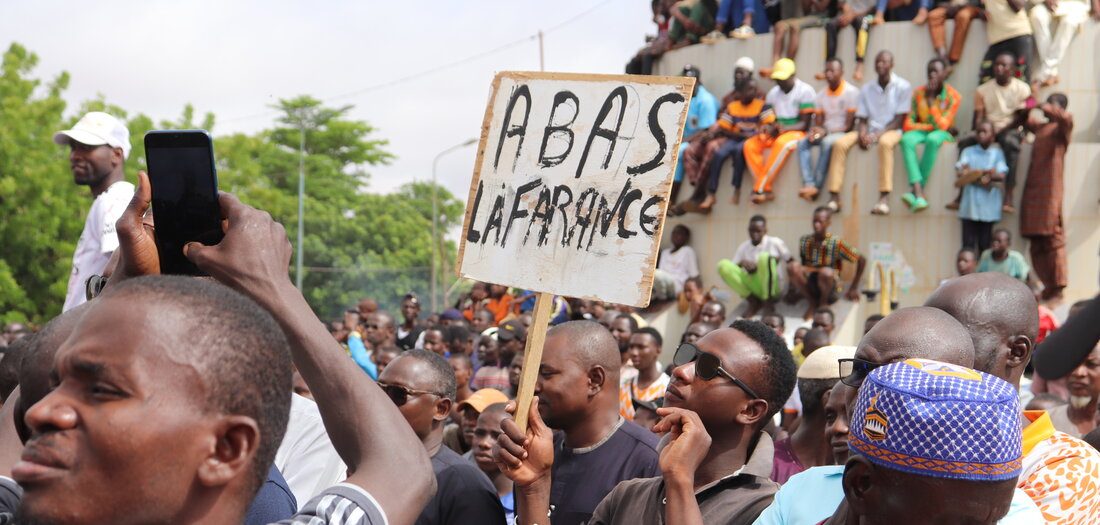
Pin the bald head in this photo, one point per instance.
(917, 332)
(589, 344)
(1001, 316)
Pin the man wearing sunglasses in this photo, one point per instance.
(422, 385)
(1002, 317)
(716, 460)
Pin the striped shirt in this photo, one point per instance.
(941, 115)
(746, 119)
(342, 504)
(829, 252)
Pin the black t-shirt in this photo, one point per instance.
(464, 494)
(581, 478)
(409, 341)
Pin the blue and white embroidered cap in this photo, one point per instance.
(940, 420)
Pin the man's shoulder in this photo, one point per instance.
(642, 438)
(448, 465)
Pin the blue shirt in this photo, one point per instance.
(702, 112)
(273, 502)
(978, 203)
(361, 356)
(814, 494)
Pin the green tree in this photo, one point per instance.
(41, 208)
(357, 244)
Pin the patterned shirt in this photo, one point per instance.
(829, 252)
(941, 115)
(1060, 473)
(629, 391)
(746, 118)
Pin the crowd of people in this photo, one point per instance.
(225, 399)
(757, 127)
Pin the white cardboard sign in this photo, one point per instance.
(571, 183)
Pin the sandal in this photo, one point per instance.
(880, 209)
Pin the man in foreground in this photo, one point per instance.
(1002, 318)
(902, 412)
(714, 467)
(105, 371)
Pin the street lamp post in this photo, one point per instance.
(435, 221)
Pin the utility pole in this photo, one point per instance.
(301, 200)
(435, 222)
(542, 62)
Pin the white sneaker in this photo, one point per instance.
(743, 32)
(712, 37)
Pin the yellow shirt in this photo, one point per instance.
(1002, 102)
(1003, 23)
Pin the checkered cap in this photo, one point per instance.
(940, 420)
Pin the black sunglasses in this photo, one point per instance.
(854, 370)
(400, 395)
(707, 366)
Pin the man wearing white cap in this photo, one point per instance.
(807, 446)
(99, 145)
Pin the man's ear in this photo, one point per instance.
(117, 158)
(236, 439)
(753, 412)
(1019, 351)
(597, 380)
(442, 409)
(860, 480)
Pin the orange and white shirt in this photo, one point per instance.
(1060, 473)
(628, 391)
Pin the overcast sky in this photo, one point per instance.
(234, 58)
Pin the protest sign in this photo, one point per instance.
(570, 191)
(571, 183)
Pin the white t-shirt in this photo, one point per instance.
(682, 264)
(773, 246)
(306, 457)
(836, 106)
(98, 240)
(789, 107)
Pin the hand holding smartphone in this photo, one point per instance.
(184, 187)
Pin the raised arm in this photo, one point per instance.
(365, 427)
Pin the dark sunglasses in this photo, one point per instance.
(853, 371)
(400, 395)
(707, 366)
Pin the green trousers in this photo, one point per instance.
(762, 284)
(920, 171)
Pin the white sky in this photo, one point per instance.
(234, 58)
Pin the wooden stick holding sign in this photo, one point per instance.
(532, 356)
(570, 191)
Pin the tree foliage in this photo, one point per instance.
(357, 243)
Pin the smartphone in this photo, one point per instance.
(184, 185)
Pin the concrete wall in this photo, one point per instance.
(930, 240)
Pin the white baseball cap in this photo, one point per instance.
(96, 129)
(745, 63)
(824, 363)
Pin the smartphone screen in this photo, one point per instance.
(185, 195)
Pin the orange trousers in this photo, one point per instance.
(763, 171)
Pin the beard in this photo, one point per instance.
(1079, 401)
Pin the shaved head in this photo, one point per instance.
(917, 332)
(590, 344)
(1001, 315)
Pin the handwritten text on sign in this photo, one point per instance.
(571, 183)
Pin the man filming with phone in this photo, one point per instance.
(99, 145)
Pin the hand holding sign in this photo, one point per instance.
(570, 190)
